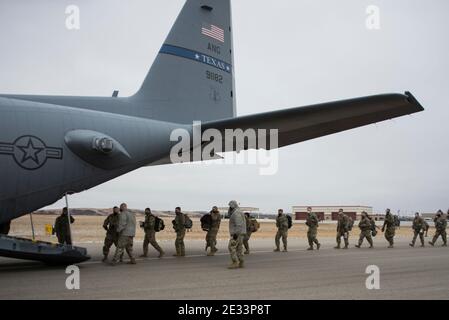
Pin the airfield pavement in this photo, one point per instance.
(405, 273)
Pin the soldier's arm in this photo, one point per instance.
(106, 223)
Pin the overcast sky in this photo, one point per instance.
(288, 53)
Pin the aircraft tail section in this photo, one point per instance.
(192, 77)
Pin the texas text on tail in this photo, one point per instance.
(52, 145)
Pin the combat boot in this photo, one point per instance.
(105, 258)
(431, 243)
(346, 246)
(246, 252)
(276, 250)
(144, 255)
(318, 246)
(310, 248)
(285, 250)
(211, 254)
(337, 246)
(357, 246)
(234, 265)
(132, 261)
(241, 264)
(411, 244)
(161, 254)
(390, 246)
(444, 245)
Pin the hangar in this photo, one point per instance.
(330, 213)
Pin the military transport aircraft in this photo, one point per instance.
(54, 145)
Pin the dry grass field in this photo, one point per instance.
(88, 229)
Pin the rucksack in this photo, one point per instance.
(188, 224)
(290, 222)
(254, 225)
(397, 222)
(350, 223)
(373, 228)
(159, 224)
(206, 222)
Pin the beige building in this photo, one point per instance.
(330, 213)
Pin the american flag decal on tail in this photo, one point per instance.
(213, 31)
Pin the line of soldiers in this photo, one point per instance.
(120, 229)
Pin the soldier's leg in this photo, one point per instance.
(346, 239)
(277, 240)
(338, 238)
(435, 238)
(361, 237)
(421, 237)
(108, 242)
(415, 235)
(129, 249)
(178, 244)
(152, 240)
(240, 250)
(370, 239)
(183, 248)
(213, 241)
(310, 239)
(121, 243)
(246, 242)
(232, 246)
(315, 239)
(146, 241)
(207, 240)
(284, 239)
(444, 236)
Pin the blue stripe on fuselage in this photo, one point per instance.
(196, 56)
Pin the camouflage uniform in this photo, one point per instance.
(110, 225)
(150, 235)
(180, 230)
(127, 232)
(389, 228)
(343, 230)
(211, 236)
(365, 231)
(282, 225)
(237, 230)
(312, 223)
(247, 235)
(440, 230)
(419, 227)
(62, 229)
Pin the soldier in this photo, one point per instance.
(180, 229)
(343, 226)
(419, 227)
(110, 225)
(282, 225)
(365, 226)
(312, 223)
(237, 230)
(211, 236)
(150, 234)
(127, 232)
(440, 228)
(62, 228)
(248, 234)
(389, 228)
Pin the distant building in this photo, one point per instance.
(330, 213)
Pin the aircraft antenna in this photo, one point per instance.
(32, 226)
(68, 216)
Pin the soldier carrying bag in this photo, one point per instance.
(373, 228)
(350, 223)
(254, 225)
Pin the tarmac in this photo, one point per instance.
(404, 273)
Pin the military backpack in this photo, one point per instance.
(254, 225)
(159, 224)
(350, 223)
(188, 224)
(290, 222)
(397, 222)
(206, 222)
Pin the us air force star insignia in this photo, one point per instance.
(30, 152)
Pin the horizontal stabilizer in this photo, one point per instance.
(305, 123)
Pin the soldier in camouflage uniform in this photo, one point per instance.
(150, 234)
(440, 228)
(343, 226)
(211, 236)
(389, 228)
(110, 225)
(365, 226)
(419, 226)
(237, 230)
(180, 229)
(62, 228)
(248, 234)
(282, 225)
(312, 223)
(127, 231)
